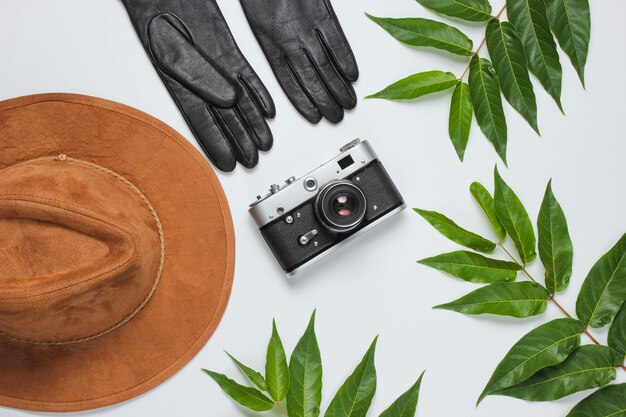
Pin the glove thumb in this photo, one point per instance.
(175, 53)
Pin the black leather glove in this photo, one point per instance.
(221, 97)
(309, 53)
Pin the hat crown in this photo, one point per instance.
(81, 247)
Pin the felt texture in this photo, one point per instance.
(79, 251)
(73, 300)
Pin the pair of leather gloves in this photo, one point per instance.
(223, 100)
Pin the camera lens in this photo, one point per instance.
(341, 206)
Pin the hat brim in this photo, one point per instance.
(199, 262)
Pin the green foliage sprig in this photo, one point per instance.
(296, 388)
(549, 362)
(524, 43)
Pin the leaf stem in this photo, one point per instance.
(554, 301)
(482, 43)
(519, 263)
(501, 11)
(282, 410)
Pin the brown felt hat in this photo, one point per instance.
(116, 252)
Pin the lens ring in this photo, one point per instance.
(341, 206)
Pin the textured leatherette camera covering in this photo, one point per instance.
(283, 238)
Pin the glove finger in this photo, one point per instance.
(294, 89)
(173, 50)
(204, 127)
(341, 90)
(233, 126)
(304, 69)
(255, 122)
(258, 93)
(334, 40)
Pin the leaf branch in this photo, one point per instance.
(482, 43)
(282, 410)
(552, 299)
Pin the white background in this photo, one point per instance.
(374, 285)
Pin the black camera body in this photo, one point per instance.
(308, 218)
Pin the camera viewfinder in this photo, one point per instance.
(345, 162)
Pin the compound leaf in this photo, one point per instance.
(276, 369)
(355, 395)
(529, 17)
(607, 402)
(487, 102)
(461, 113)
(485, 200)
(246, 396)
(406, 404)
(547, 345)
(604, 290)
(305, 371)
(509, 61)
(617, 332)
(473, 267)
(570, 21)
(428, 33)
(515, 220)
(472, 10)
(589, 366)
(255, 377)
(516, 299)
(555, 245)
(417, 85)
(456, 233)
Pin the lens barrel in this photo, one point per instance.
(341, 206)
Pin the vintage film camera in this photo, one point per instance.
(307, 218)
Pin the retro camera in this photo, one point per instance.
(307, 218)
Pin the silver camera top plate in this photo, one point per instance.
(294, 192)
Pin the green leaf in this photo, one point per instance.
(473, 267)
(555, 245)
(425, 32)
(461, 113)
(355, 395)
(604, 289)
(515, 220)
(472, 10)
(547, 345)
(406, 404)
(607, 402)
(507, 54)
(246, 396)
(485, 92)
(589, 366)
(456, 233)
(485, 200)
(530, 19)
(570, 21)
(417, 85)
(617, 332)
(516, 299)
(276, 369)
(305, 367)
(255, 377)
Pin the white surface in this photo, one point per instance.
(372, 286)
